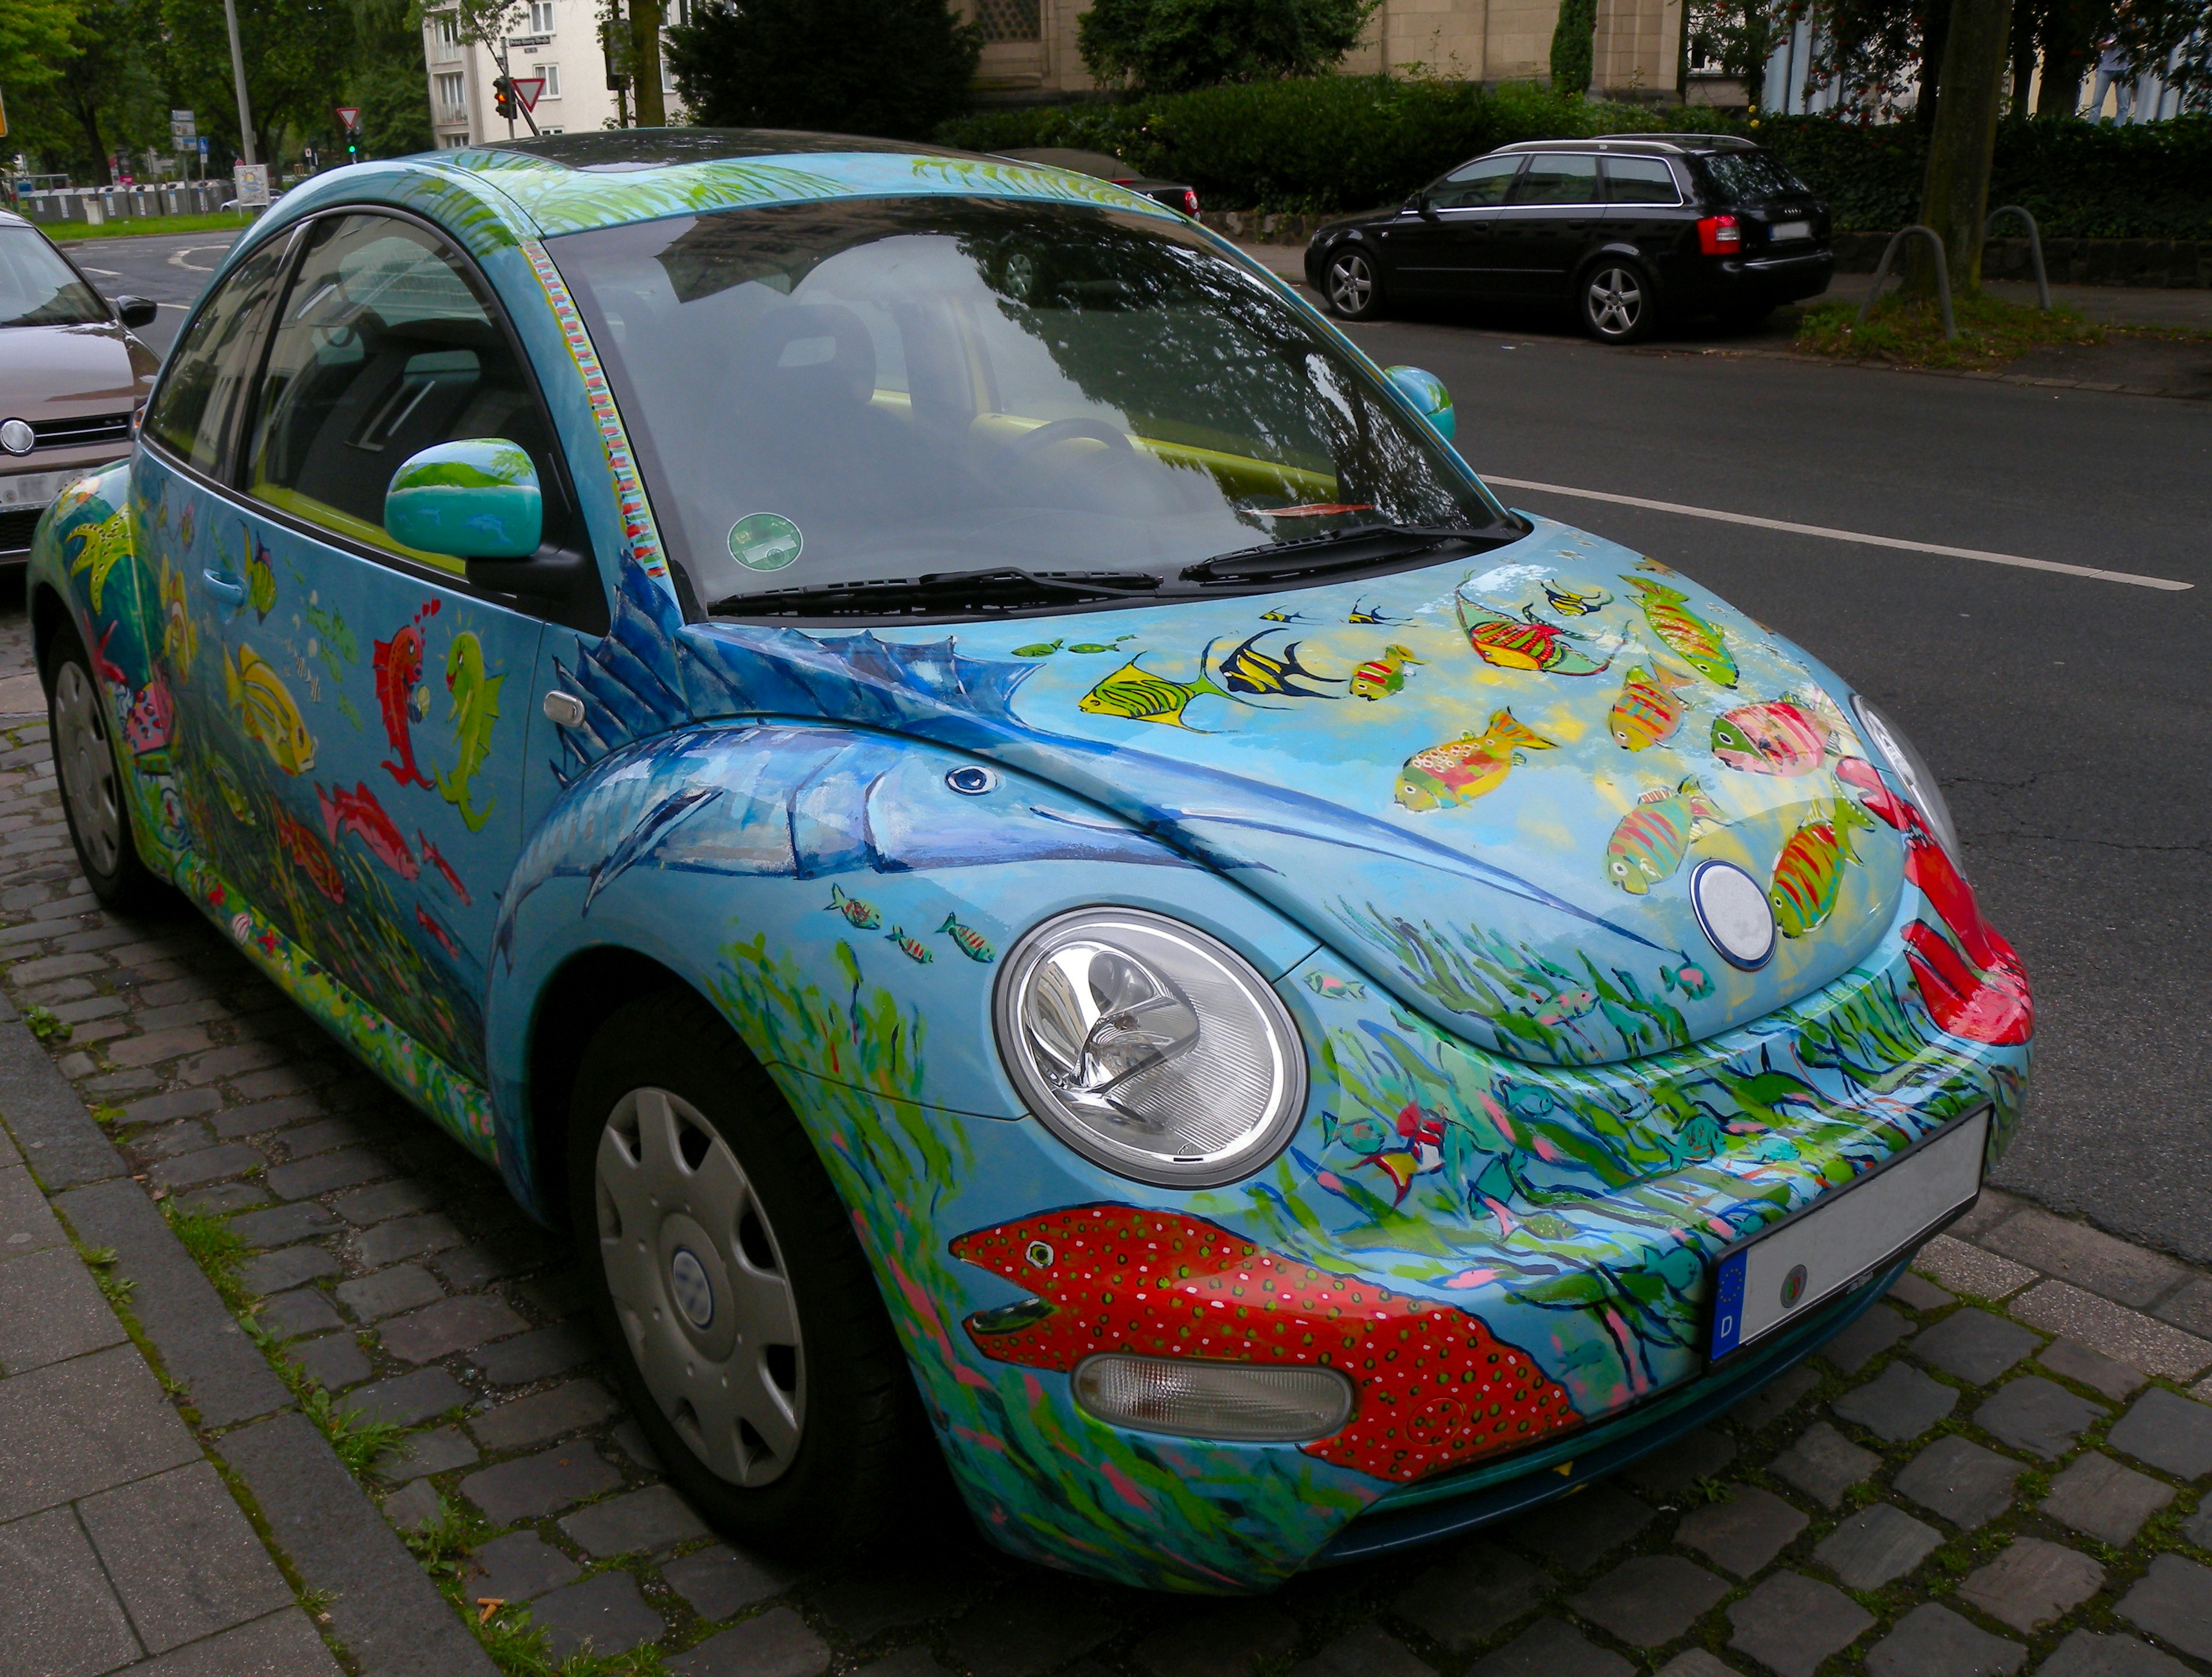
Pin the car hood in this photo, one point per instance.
(68, 372)
(1488, 784)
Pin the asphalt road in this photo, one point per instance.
(2067, 716)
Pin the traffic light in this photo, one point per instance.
(353, 148)
(502, 98)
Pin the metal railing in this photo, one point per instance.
(1942, 275)
(2034, 249)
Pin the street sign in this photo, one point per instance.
(252, 180)
(526, 89)
(348, 116)
(183, 130)
(202, 145)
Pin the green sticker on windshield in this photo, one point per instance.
(765, 541)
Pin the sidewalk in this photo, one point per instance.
(2001, 1467)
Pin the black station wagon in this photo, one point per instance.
(1626, 228)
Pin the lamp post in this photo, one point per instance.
(237, 75)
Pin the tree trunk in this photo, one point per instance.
(2069, 29)
(1955, 197)
(2023, 53)
(85, 106)
(645, 55)
(1933, 36)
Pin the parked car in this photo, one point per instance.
(72, 377)
(1105, 166)
(1625, 229)
(933, 764)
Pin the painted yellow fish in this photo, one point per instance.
(1135, 693)
(266, 712)
(180, 639)
(102, 545)
(1460, 770)
(1576, 602)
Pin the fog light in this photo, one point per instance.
(1239, 1401)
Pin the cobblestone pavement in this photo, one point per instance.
(1997, 1469)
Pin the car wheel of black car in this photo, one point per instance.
(749, 1338)
(93, 798)
(1350, 283)
(1615, 301)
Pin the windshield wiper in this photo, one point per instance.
(1000, 588)
(1339, 550)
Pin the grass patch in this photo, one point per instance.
(101, 1258)
(46, 1027)
(216, 1249)
(1909, 332)
(218, 221)
(357, 1440)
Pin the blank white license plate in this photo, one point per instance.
(1769, 1282)
(1782, 230)
(34, 489)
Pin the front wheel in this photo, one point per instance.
(742, 1315)
(1615, 302)
(93, 796)
(1349, 282)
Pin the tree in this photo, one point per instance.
(894, 68)
(1574, 40)
(296, 52)
(1738, 36)
(1954, 198)
(103, 92)
(386, 80)
(34, 41)
(1174, 45)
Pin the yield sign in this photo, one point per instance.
(348, 116)
(526, 89)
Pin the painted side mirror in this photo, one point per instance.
(1427, 393)
(474, 499)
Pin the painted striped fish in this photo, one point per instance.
(1699, 644)
(972, 942)
(1649, 708)
(1140, 696)
(1808, 874)
(1650, 840)
(1460, 770)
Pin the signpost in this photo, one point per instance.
(527, 90)
(184, 132)
(252, 180)
(350, 119)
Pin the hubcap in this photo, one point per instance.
(1351, 283)
(87, 767)
(1616, 301)
(700, 1287)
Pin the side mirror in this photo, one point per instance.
(1427, 393)
(475, 499)
(1420, 204)
(136, 311)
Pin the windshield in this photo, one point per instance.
(874, 390)
(38, 289)
(1749, 177)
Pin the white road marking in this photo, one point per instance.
(176, 258)
(104, 273)
(1859, 537)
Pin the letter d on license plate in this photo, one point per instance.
(1774, 1278)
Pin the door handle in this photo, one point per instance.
(224, 587)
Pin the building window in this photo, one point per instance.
(1009, 20)
(445, 37)
(552, 75)
(452, 141)
(453, 96)
(541, 17)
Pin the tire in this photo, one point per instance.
(1614, 302)
(675, 1131)
(1350, 284)
(90, 774)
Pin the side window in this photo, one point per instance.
(1556, 178)
(1482, 182)
(193, 409)
(382, 348)
(1640, 180)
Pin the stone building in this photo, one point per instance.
(557, 40)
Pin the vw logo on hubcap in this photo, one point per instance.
(694, 1293)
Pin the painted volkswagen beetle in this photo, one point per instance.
(940, 768)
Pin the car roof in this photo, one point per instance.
(1665, 145)
(9, 218)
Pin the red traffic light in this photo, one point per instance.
(502, 97)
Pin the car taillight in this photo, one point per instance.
(1719, 235)
(1189, 202)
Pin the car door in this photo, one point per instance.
(1552, 216)
(1448, 249)
(379, 694)
(1644, 205)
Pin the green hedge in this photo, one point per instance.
(1344, 143)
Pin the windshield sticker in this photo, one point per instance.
(765, 542)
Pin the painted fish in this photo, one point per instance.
(1691, 980)
(233, 796)
(857, 914)
(912, 948)
(185, 521)
(151, 719)
(1039, 649)
(1649, 708)
(1280, 615)
(1784, 736)
(1699, 644)
(359, 813)
(260, 578)
(266, 710)
(432, 855)
(1462, 769)
(1650, 840)
(1249, 670)
(306, 850)
(1411, 1149)
(445, 938)
(1576, 602)
(1526, 643)
(1113, 645)
(475, 698)
(1135, 694)
(180, 638)
(1435, 1388)
(398, 664)
(971, 942)
(1808, 874)
(1370, 617)
(1383, 675)
(1333, 988)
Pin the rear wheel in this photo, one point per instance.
(1349, 282)
(1614, 301)
(744, 1319)
(93, 796)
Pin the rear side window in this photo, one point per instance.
(1639, 181)
(1748, 177)
(193, 409)
(1475, 184)
(1557, 178)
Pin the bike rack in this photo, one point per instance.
(2034, 249)
(1942, 275)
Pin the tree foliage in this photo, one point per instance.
(1574, 39)
(1738, 36)
(891, 68)
(1166, 46)
(34, 41)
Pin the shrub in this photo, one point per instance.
(1573, 43)
(1173, 46)
(892, 68)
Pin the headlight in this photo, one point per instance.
(1150, 1047)
(1908, 767)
